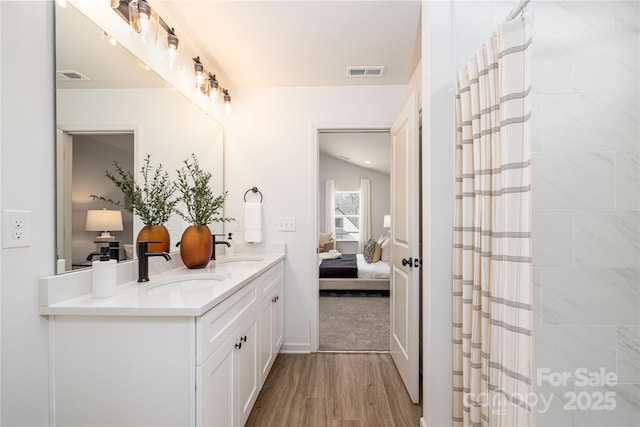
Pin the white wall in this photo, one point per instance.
(438, 179)
(269, 144)
(586, 204)
(347, 177)
(27, 171)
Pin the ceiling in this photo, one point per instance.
(266, 43)
(368, 150)
(299, 43)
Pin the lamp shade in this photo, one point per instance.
(103, 220)
(387, 221)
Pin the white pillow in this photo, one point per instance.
(385, 256)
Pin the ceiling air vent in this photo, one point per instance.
(70, 75)
(368, 71)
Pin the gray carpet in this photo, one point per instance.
(354, 321)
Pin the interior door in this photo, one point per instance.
(405, 256)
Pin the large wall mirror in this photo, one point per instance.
(111, 108)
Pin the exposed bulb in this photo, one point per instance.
(143, 23)
(199, 70)
(213, 85)
(199, 78)
(172, 49)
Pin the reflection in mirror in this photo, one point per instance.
(110, 108)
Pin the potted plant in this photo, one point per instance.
(200, 208)
(150, 200)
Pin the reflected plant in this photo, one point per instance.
(152, 200)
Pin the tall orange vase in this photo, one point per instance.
(196, 246)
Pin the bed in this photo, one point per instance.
(352, 272)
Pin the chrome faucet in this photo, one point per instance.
(217, 242)
(143, 260)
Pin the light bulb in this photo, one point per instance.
(172, 48)
(199, 70)
(199, 78)
(143, 22)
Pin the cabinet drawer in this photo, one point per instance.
(215, 325)
(270, 279)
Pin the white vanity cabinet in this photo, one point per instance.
(227, 377)
(170, 370)
(271, 318)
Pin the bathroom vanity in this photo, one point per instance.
(189, 347)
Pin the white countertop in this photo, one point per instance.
(145, 299)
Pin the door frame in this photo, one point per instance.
(316, 128)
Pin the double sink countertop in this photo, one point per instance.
(177, 291)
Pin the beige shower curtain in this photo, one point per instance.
(492, 287)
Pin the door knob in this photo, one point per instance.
(406, 262)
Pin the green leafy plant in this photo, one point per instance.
(201, 207)
(152, 200)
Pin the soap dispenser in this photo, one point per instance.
(230, 250)
(104, 275)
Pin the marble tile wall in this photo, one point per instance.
(586, 199)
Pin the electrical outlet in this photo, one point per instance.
(16, 228)
(286, 224)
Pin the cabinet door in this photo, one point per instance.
(277, 321)
(247, 357)
(215, 387)
(266, 340)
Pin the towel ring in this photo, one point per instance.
(253, 190)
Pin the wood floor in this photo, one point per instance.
(334, 390)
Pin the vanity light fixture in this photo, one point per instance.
(199, 69)
(140, 16)
(213, 86)
(227, 100)
(173, 43)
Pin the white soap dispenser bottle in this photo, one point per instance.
(104, 275)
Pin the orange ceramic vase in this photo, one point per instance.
(196, 246)
(154, 233)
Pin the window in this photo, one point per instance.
(347, 215)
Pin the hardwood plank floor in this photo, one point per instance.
(334, 390)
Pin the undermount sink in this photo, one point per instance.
(239, 258)
(184, 284)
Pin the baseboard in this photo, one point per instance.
(301, 348)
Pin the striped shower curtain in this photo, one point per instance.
(492, 286)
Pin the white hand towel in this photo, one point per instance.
(253, 222)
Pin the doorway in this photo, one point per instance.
(353, 309)
(82, 159)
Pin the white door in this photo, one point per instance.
(405, 256)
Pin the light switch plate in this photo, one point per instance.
(286, 223)
(16, 229)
